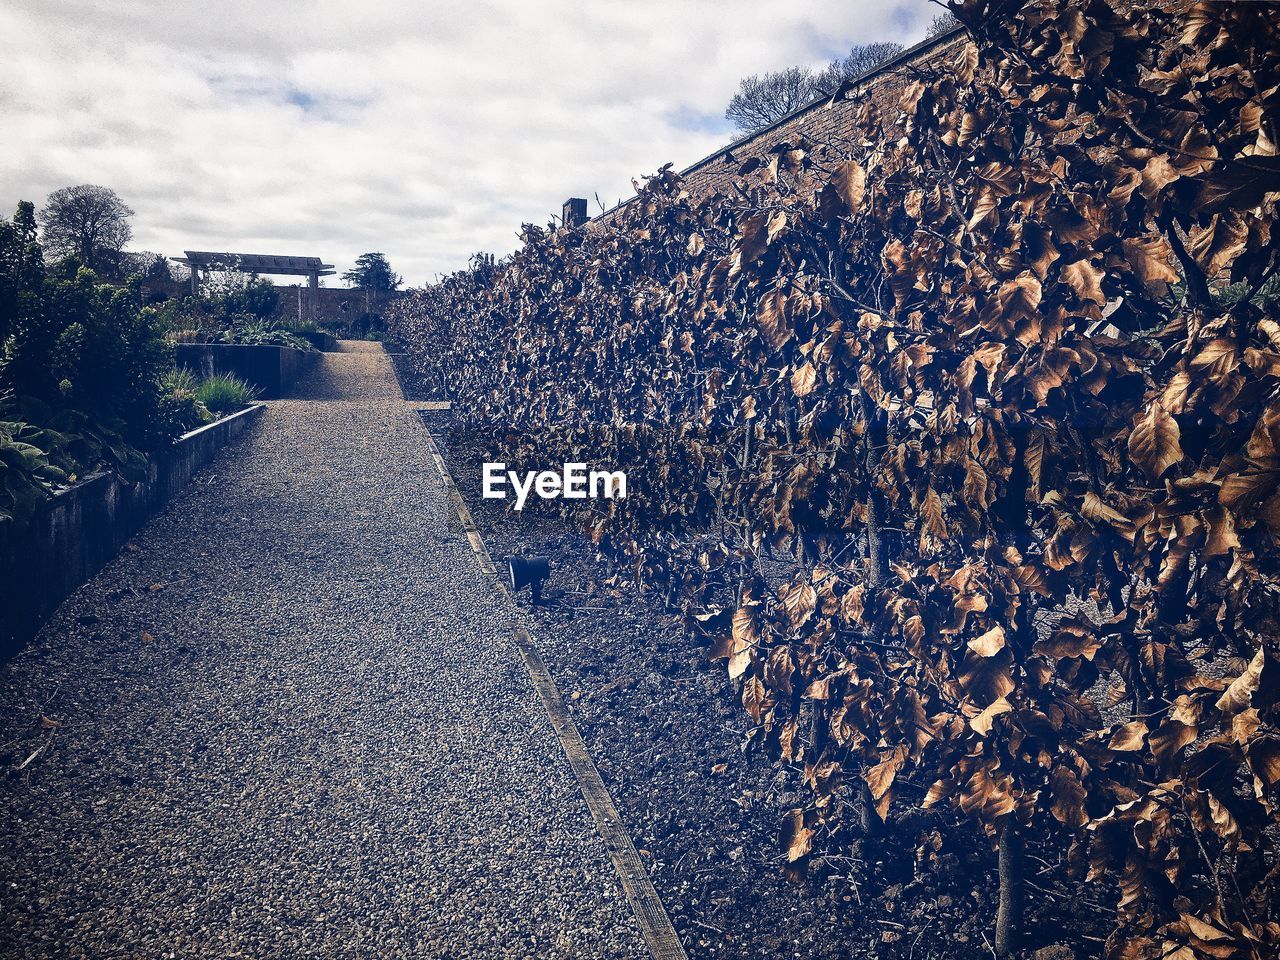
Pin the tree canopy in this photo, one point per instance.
(762, 100)
(373, 272)
(88, 222)
(765, 99)
(862, 57)
(944, 22)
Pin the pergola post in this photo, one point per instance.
(200, 262)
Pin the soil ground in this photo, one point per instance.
(663, 725)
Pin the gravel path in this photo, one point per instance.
(291, 724)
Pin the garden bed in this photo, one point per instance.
(272, 369)
(664, 727)
(70, 538)
(325, 342)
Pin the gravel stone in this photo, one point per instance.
(289, 722)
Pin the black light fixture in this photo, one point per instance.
(528, 572)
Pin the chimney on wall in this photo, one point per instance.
(575, 212)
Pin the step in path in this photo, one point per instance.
(291, 723)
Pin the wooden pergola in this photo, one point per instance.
(200, 262)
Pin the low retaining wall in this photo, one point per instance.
(320, 340)
(273, 370)
(74, 535)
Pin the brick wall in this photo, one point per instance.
(823, 121)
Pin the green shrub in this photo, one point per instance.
(181, 402)
(255, 296)
(254, 332)
(82, 371)
(76, 344)
(226, 393)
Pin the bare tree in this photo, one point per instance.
(944, 22)
(762, 100)
(89, 222)
(150, 266)
(862, 57)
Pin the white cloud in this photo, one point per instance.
(427, 132)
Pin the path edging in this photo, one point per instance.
(659, 935)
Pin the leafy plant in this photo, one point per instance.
(26, 475)
(82, 370)
(44, 450)
(298, 325)
(256, 333)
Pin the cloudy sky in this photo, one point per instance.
(428, 131)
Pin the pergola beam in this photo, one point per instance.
(200, 262)
(256, 263)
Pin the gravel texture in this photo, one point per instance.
(416, 385)
(288, 722)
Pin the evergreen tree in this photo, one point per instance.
(373, 273)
